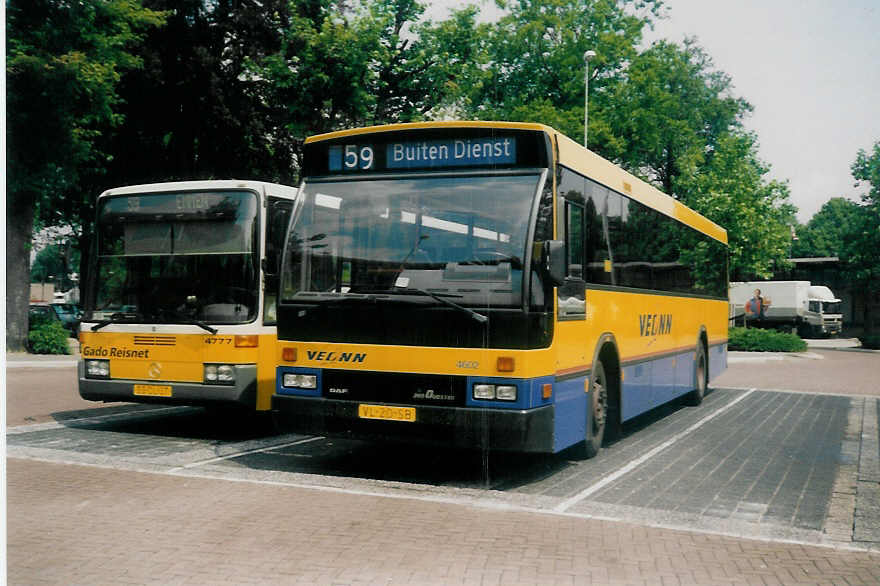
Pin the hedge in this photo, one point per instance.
(49, 337)
(871, 342)
(760, 340)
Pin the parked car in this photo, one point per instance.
(70, 316)
(67, 314)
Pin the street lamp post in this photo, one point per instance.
(587, 56)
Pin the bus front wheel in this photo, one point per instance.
(597, 413)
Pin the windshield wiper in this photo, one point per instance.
(183, 319)
(373, 295)
(442, 299)
(515, 261)
(201, 324)
(117, 318)
(126, 318)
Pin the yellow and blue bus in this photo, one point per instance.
(490, 284)
(180, 298)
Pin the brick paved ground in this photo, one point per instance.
(836, 371)
(80, 525)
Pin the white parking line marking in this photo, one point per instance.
(593, 488)
(65, 422)
(244, 453)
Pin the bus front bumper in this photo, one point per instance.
(243, 392)
(529, 430)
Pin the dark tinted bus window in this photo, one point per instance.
(575, 220)
(628, 244)
(598, 256)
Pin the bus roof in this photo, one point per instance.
(569, 154)
(589, 164)
(430, 125)
(260, 186)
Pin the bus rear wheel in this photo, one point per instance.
(701, 377)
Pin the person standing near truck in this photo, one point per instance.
(756, 305)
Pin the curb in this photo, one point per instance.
(741, 356)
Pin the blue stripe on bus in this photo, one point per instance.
(653, 383)
(570, 413)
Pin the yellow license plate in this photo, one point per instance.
(152, 390)
(386, 412)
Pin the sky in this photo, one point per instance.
(810, 69)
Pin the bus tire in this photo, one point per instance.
(597, 411)
(701, 377)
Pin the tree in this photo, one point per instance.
(189, 110)
(861, 245)
(63, 67)
(823, 235)
(338, 67)
(670, 113)
(535, 62)
(731, 190)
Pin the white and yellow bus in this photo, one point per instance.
(490, 284)
(180, 299)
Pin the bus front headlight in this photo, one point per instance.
(300, 381)
(505, 392)
(219, 374)
(489, 392)
(97, 369)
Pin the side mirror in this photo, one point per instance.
(553, 261)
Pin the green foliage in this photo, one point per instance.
(54, 262)
(63, 67)
(730, 189)
(375, 63)
(220, 89)
(534, 59)
(671, 112)
(866, 169)
(759, 340)
(193, 111)
(871, 342)
(860, 253)
(48, 337)
(824, 233)
(64, 63)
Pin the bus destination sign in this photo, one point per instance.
(424, 154)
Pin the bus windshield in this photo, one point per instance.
(462, 237)
(175, 258)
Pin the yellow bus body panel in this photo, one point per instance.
(643, 326)
(573, 348)
(417, 359)
(180, 357)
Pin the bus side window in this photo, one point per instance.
(277, 219)
(571, 301)
(574, 219)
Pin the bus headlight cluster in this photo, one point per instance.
(300, 381)
(98, 368)
(491, 392)
(219, 374)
